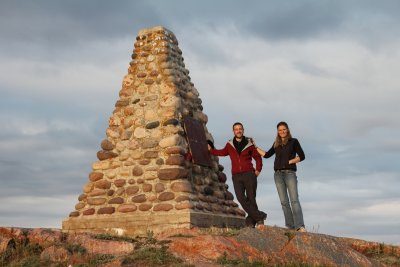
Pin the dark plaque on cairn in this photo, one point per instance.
(197, 141)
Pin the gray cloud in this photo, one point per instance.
(73, 21)
(298, 20)
(47, 30)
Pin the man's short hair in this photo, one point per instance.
(237, 123)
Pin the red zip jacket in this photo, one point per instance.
(240, 162)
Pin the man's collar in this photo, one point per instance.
(241, 139)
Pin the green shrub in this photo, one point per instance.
(155, 256)
(223, 260)
(76, 249)
(100, 259)
(115, 238)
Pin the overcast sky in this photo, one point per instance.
(328, 68)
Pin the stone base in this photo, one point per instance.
(140, 224)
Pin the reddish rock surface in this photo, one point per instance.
(268, 246)
(11, 232)
(54, 253)
(6, 243)
(97, 246)
(44, 237)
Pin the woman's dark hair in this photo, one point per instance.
(278, 139)
(282, 123)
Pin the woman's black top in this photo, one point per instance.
(284, 153)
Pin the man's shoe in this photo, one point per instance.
(264, 215)
(249, 222)
(302, 229)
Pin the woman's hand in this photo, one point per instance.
(295, 160)
(252, 141)
(259, 150)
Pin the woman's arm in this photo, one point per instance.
(300, 153)
(260, 151)
(263, 153)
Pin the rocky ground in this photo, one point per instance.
(269, 246)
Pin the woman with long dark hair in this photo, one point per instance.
(288, 152)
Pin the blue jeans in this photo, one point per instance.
(286, 182)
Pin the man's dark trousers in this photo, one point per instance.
(245, 185)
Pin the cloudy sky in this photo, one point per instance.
(328, 68)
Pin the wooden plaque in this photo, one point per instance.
(197, 141)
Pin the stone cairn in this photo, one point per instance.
(143, 180)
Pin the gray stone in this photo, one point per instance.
(122, 103)
(149, 81)
(171, 122)
(151, 154)
(117, 200)
(144, 161)
(159, 187)
(181, 186)
(102, 184)
(175, 160)
(160, 161)
(166, 196)
(139, 132)
(139, 198)
(103, 154)
(182, 198)
(137, 171)
(151, 98)
(127, 208)
(131, 190)
(90, 211)
(172, 173)
(96, 201)
(119, 182)
(82, 197)
(163, 207)
(145, 206)
(175, 150)
(107, 145)
(106, 210)
(95, 176)
(97, 192)
(152, 125)
(150, 143)
(147, 187)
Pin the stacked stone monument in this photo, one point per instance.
(145, 179)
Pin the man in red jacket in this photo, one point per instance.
(241, 151)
